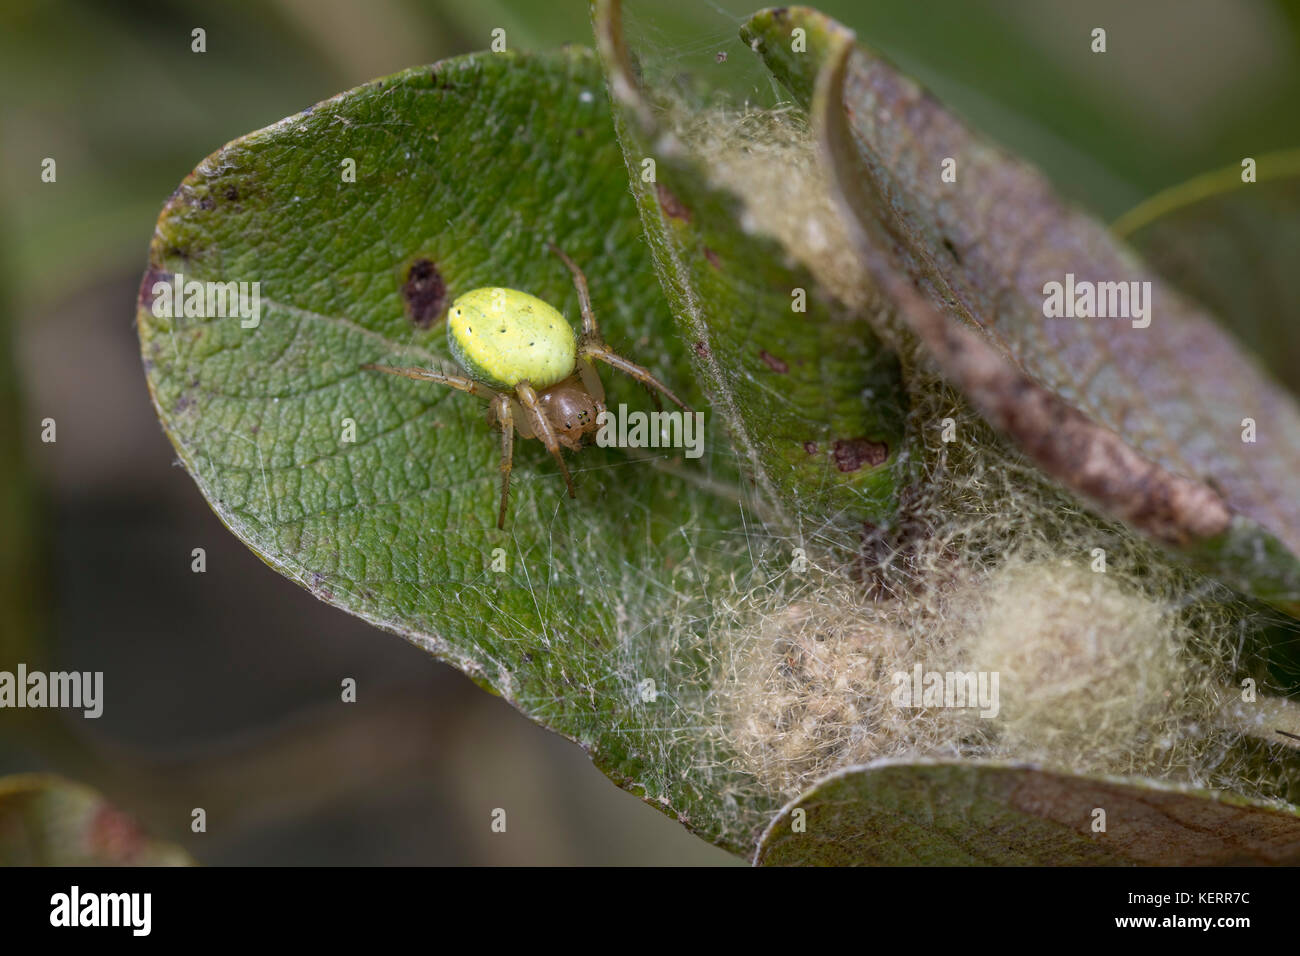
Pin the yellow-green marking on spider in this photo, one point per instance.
(502, 337)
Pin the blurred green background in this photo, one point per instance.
(222, 689)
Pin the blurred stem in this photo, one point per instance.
(1278, 165)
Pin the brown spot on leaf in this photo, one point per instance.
(852, 453)
(440, 78)
(670, 204)
(712, 257)
(810, 447)
(701, 350)
(772, 362)
(232, 194)
(425, 293)
(319, 588)
(152, 276)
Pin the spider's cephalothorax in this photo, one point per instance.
(520, 354)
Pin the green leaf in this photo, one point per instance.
(1145, 422)
(813, 399)
(464, 172)
(945, 813)
(48, 821)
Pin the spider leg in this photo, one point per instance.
(542, 425)
(592, 345)
(501, 406)
(429, 375)
(589, 328)
(601, 352)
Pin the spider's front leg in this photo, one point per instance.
(589, 328)
(542, 426)
(601, 352)
(592, 344)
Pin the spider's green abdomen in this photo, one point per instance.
(502, 337)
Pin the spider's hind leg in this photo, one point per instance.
(430, 375)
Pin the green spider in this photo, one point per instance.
(520, 354)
